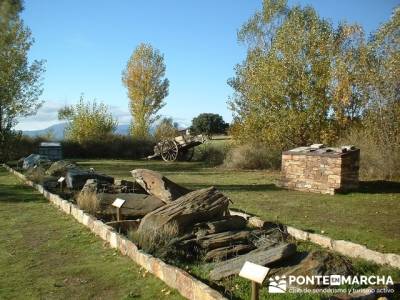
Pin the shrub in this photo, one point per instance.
(378, 161)
(211, 153)
(252, 156)
(111, 146)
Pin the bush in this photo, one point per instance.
(211, 153)
(111, 146)
(378, 161)
(252, 156)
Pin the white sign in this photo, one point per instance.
(61, 179)
(118, 202)
(253, 272)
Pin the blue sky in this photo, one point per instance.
(87, 43)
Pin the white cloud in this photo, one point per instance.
(47, 116)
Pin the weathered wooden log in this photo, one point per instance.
(259, 256)
(135, 206)
(227, 252)
(218, 240)
(158, 185)
(194, 207)
(224, 224)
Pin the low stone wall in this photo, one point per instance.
(187, 285)
(343, 247)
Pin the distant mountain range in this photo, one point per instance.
(57, 131)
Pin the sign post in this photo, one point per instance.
(60, 181)
(256, 274)
(118, 204)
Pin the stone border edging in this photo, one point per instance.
(183, 282)
(341, 246)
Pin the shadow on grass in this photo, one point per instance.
(379, 187)
(239, 187)
(18, 193)
(159, 166)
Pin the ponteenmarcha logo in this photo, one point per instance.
(277, 284)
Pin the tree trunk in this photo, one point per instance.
(227, 252)
(158, 185)
(259, 256)
(225, 224)
(135, 206)
(194, 207)
(219, 240)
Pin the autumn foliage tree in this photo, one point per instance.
(301, 80)
(144, 77)
(87, 121)
(166, 129)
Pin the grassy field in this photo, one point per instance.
(45, 254)
(369, 217)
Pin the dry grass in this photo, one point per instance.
(36, 174)
(252, 157)
(379, 161)
(87, 200)
(155, 241)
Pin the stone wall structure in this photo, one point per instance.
(321, 169)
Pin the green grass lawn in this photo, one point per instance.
(45, 254)
(369, 217)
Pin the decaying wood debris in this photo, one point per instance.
(194, 207)
(158, 185)
(262, 256)
(178, 223)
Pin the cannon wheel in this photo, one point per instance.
(186, 154)
(169, 150)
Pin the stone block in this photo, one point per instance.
(112, 238)
(348, 248)
(105, 231)
(88, 220)
(392, 260)
(157, 266)
(169, 275)
(297, 233)
(74, 210)
(97, 227)
(144, 260)
(66, 206)
(321, 240)
(131, 250)
(202, 291)
(184, 283)
(40, 188)
(122, 244)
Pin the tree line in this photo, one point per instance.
(303, 81)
